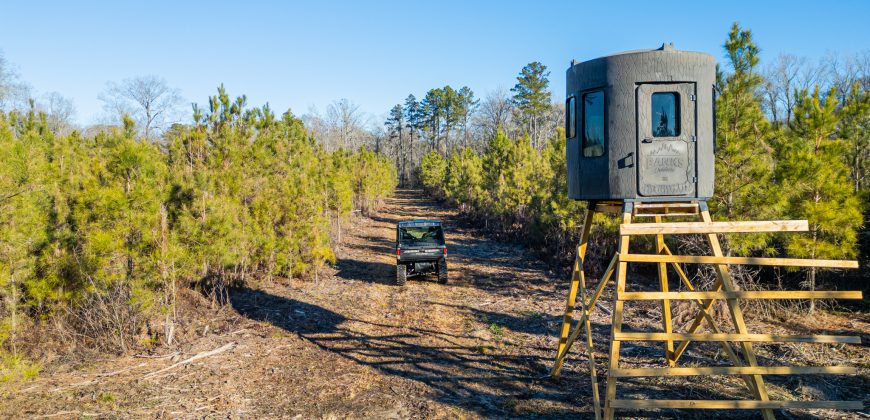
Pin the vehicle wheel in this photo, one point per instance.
(442, 271)
(401, 274)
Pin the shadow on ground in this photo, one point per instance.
(485, 379)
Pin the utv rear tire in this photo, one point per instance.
(442, 271)
(401, 274)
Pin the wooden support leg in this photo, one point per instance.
(666, 304)
(616, 323)
(736, 313)
(590, 348)
(572, 293)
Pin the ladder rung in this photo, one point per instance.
(709, 259)
(743, 294)
(768, 338)
(737, 404)
(681, 228)
(735, 370)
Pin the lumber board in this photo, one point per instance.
(708, 259)
(616, 320)
(654, 205)
(682, 228)
(737, 404)
(758, 338)
(743, 294)
(735, 370)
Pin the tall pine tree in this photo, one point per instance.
(818, 184)
(745, 189)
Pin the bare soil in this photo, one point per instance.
(352, 345)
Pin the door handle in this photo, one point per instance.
(647, 140)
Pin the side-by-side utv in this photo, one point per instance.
(420, 249)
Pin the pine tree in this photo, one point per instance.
(532, 97)
(433, 172)
(745, 188)
(855, 131)
(396, 129)
(818, 183)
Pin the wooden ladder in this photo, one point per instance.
(737, 345)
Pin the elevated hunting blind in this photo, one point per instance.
(640, 126)
(640, 129)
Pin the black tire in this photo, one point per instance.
(442, 271)
(401, 274)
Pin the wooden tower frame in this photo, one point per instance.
(737, 345)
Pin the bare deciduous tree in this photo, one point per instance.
(785, 78)
(345, 118)
(60, 112)
(14, 94)
(495, 112)
(844, 71)
(148, 99)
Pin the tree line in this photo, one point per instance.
(448, 119)
(805, 158)
(99, 233)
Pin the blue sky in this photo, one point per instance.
(301, 54)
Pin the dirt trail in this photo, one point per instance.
(350, 344)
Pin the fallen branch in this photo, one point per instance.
(156, 356)
(117, 372)
(219, 350)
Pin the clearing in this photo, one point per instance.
(350, 344)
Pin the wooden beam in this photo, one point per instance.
(737, 404)
(665, 205)
(734, 370)
(762, 338)
(617, 318)
(706, 259)
(680, 228)
(667, 325)
(576, 274)
(743, 294)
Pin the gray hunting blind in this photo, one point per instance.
(640, 126)
(640, 146)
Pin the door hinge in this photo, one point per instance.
(692, 97)
(693, 139)
(694, 179)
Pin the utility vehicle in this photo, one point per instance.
(420, 249)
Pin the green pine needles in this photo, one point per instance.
(101, 232)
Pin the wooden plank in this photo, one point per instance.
(737, 370)
(576, 274)
(738, 404)
(616, 321)
(762, 338)
(681, 228)
(668, 214)
(743, 294)
(590, 348)
(666, 304)
(707, 259)
(664, 205)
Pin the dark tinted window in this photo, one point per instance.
(570, 118)
(593, 124)
(665, 114)
(421, 234)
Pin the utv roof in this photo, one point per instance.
(407, 223)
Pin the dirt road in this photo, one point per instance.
(350, 344)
